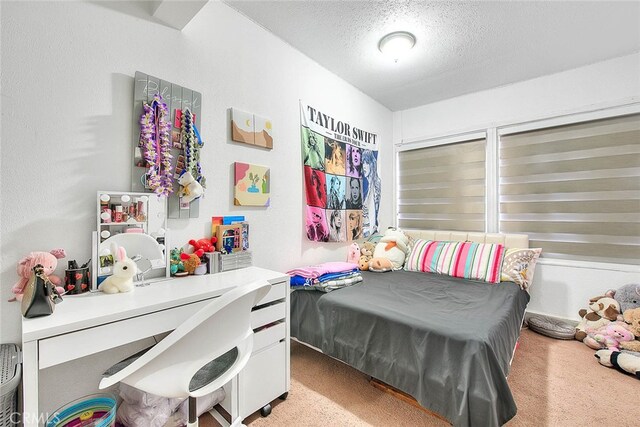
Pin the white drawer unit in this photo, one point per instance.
(267, 374)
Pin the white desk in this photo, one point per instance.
(94, 322)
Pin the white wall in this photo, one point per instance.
(559, 290)
(67, 87)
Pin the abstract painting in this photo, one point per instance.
(251, 185)
(263, 132)
(242, 127)
(251, 129)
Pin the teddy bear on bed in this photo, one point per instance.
(632, 317)
(366, 253)
(602, 311)
(390, 252)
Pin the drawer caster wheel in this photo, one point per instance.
(284, 396)
(266, 410)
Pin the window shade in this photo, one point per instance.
(575, 189)
(443, 187)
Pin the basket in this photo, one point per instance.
(95, 410)
(10, 359)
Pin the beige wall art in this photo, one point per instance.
(251, 129)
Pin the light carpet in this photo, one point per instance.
(554, 383)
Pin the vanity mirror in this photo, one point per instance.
(135, 221)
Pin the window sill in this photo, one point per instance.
(625, 268)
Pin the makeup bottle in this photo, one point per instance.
(141, 216)
(118, 215)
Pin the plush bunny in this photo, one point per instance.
(124, 269)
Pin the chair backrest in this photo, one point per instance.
(222, 325)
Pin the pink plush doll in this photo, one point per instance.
(354, 253)
(609, 336)
(49, 261)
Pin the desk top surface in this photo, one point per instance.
(92, 309)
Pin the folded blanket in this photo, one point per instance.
(315, 271)
(305, 281)
(332, 284)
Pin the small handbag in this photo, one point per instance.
(40, 296)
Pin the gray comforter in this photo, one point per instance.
(446, 341)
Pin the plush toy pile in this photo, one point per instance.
(611, 325)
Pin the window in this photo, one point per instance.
(443, 187)
(575, 189)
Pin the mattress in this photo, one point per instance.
(446, 341)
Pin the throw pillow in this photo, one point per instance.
(519, 266)
(480, 261)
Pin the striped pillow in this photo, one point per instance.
(480, 261)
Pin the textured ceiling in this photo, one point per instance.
(462, 47)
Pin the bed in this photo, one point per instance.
(446, 341)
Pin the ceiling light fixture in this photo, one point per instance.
(396, 44)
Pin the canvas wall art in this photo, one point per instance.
(242, 126)
(251, 129)
(263, 131)
(251, 185)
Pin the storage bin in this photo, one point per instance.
(10, 373)
(95, 410)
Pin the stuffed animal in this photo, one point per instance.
(390, 252)
(49, 260)
(190, 188)
(175, 263)
(366, 253)
(628, 296)
(191, 261)
(602, 311)
(124, 268)
(354, 253)
(609, 336)
(207, 245)
(632, 317)
(624, 362)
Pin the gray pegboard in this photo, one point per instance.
(176, 97)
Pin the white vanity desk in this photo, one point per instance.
(94, 322)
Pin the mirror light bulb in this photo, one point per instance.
(104, 197)
(125, 198)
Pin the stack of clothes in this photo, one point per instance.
(325, 277)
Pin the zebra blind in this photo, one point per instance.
(443, 187)
(575, 189)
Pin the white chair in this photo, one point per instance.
(199, 356)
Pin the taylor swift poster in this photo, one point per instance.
(342, 183)
(316, 225)
(315, 186)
